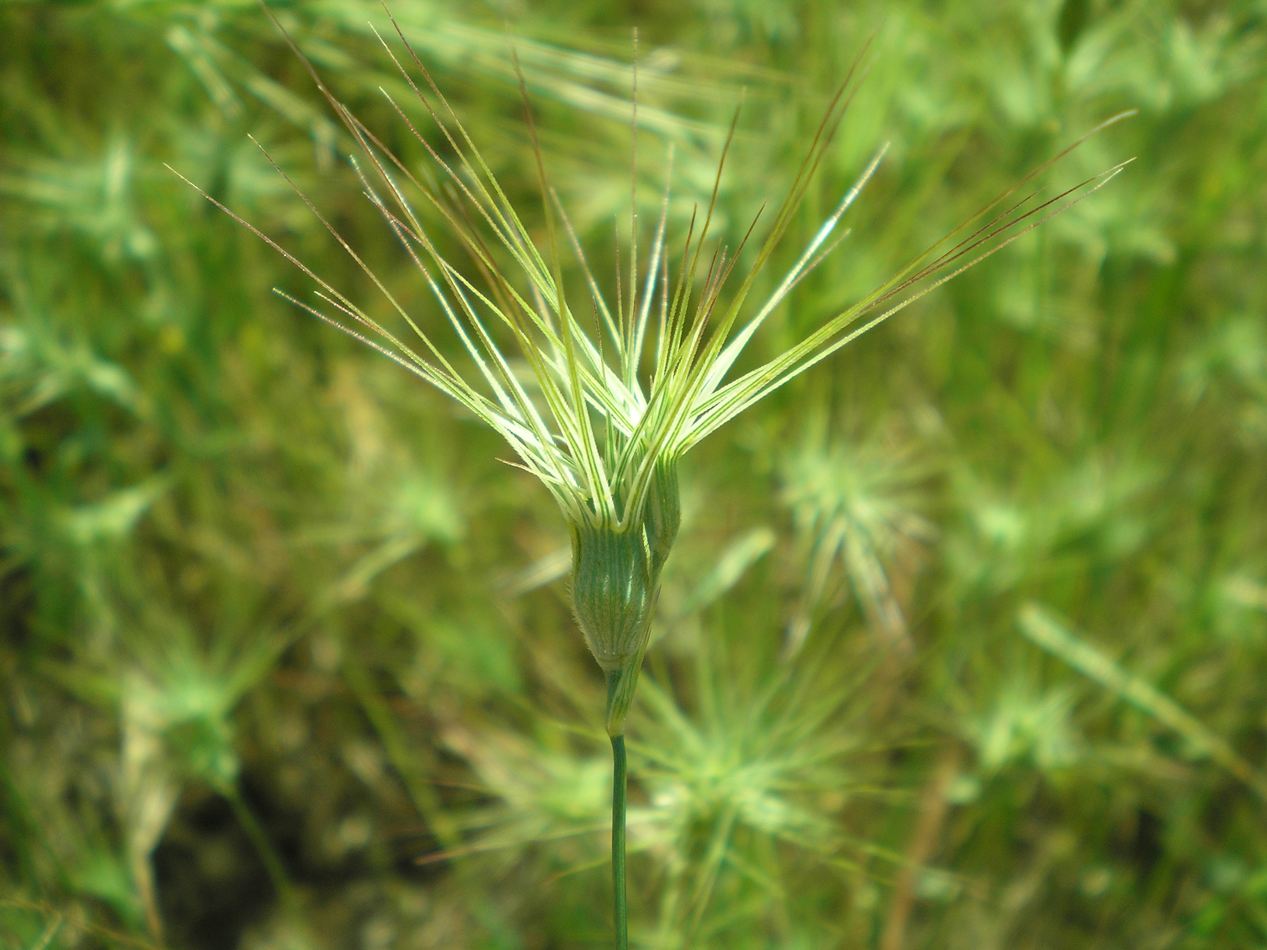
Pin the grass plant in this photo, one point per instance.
(612, 404)
(286, 665)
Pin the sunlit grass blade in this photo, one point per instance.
(1045, 630)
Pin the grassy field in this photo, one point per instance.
(964, 640)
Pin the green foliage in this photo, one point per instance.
(962, 638)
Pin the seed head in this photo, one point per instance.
(608, 406)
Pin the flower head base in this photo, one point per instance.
(615, 585)
(616, 575)
(608, 406)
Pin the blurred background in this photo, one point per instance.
(964, 641)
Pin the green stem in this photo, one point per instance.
(620, 689)
(619, 787)
(255, 833)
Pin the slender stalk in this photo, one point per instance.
(619, 787)
(273, 866)
(619, 691)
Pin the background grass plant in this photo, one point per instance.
(186, 470)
